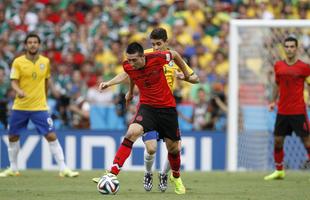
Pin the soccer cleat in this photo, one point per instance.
(148, 181)
(179, 187)
(276, 175)
(68, 173)
(305, 165)
(163, 182)
(9, 172)
(96, 179)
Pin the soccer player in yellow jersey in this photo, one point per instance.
(30, 75)
(159, 41)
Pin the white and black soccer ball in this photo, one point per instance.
(108, 184)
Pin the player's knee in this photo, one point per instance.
(13, 138)
(133, 135)
(134, 132)
(278, 142)
(51, 137)
(151, 146)
(151, 151)
(174, 149)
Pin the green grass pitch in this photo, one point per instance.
(46, 185)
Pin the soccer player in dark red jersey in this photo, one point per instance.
(290, 75)
(157, 107)
(159, 41)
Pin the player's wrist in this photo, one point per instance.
(187, 77)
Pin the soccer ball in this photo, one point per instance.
(108, 184)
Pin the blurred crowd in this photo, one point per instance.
(85, 41)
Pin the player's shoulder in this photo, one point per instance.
(158, 54)
(126, 65)
(303, 63)
(279, 62)
(20, 58)
(44, 58)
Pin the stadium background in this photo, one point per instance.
(85, 40)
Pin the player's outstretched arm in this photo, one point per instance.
(114, 81)
(181, 64)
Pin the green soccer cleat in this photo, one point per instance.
(69, 173)
(9, 172)
(96, 179)
(276, 175)
(179, 187)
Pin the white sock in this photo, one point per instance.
(148, 161)
(58, 154)
(13, 150)
(166, 167)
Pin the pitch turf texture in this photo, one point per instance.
(46, 185)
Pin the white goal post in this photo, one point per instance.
(233, 87)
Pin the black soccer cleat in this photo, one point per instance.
(148, 181)
(163, 182)
(305, 165)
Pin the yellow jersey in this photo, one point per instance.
(31, 77)
(170, 71)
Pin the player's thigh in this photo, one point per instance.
(168, 125)
(43, 122)
(18, 122)
(282, 126)
(145, 116)
(300, 125)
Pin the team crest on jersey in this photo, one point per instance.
(171, 63)
(42, 66)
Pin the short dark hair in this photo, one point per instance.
(291, 39)
(32, 35)
(159, 34)
(135, 47)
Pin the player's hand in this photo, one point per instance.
(103, 85)
(21, 94)
(271, 106)
(180, 76)
(128, 98)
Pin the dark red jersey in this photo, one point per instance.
(151, 80)
(290, 80)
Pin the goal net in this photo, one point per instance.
(254, 47)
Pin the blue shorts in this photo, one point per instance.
(19, 120)
(151, 135)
